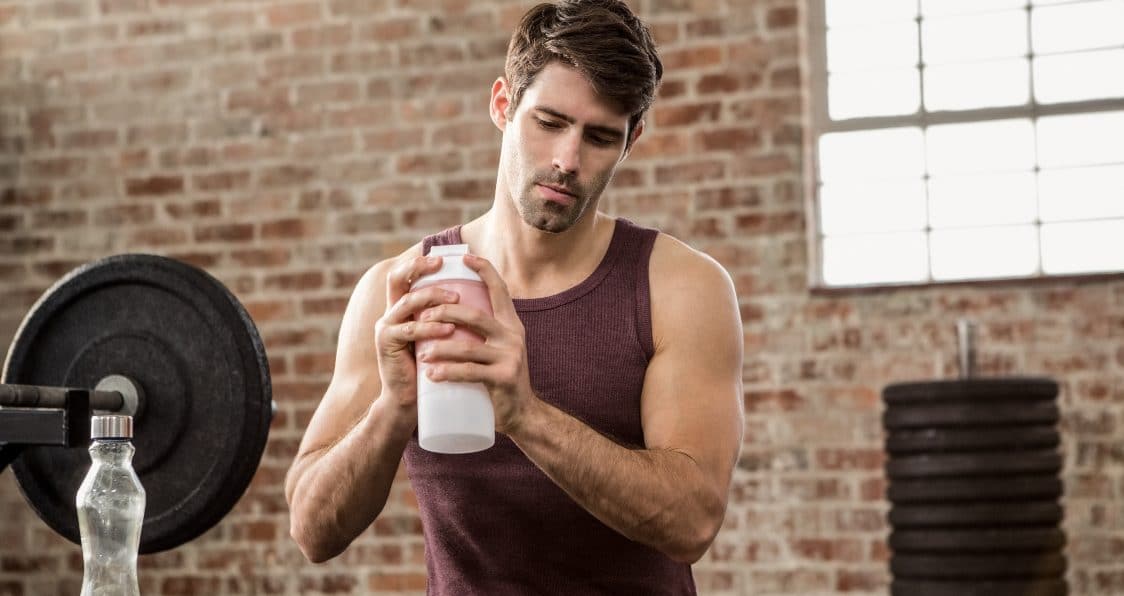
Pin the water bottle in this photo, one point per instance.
(454, 417)
(110, 510)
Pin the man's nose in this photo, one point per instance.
(567, 152)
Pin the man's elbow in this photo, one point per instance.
(694, 547)
(696, 540)
(315, 549)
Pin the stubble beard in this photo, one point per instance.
(552, 217)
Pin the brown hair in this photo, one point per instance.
(601, 39)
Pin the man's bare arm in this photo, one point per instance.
(340, 479)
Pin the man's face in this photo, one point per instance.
(560, 149)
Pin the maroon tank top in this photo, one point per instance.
(494, 523)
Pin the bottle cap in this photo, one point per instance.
(111, 427)
(452, 265)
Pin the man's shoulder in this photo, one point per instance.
(376, 274)
(676, 262)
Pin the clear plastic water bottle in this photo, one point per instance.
(110, 510)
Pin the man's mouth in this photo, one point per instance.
(558, 194)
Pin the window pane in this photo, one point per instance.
(1081, 193)
(1083, 247)
(945, 7)
(875, 258)
(1076, 77)
(1081, 139)
(850, 96)
(984, 252)
(980, 85)
(1081, 26)
(862, 207)
(871, 154)
(974, 37)
(993, 199)
(864, 48)
(856, 12)
(1002, 145)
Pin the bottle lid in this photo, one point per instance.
(111, 427)
(452, 265)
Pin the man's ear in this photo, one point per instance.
(632, 137)
(499, 103)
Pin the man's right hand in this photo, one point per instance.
(398, 329)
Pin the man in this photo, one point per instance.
(613, 359)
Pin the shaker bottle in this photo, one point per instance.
(454, 417)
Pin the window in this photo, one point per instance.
(967, 139)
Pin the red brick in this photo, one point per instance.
(309, 280)
(154, 28)
(687, 114)
(729, 139)
(224, 233)
(293, 13)
(154, 186)
(782, 17)
(694, 57)
(320, 37)
(862, 580)
(314, 364)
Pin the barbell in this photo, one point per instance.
(155, 338)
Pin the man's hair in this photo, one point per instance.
(601, 39)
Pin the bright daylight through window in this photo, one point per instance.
(967, 139)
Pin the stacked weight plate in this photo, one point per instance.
(974, 488)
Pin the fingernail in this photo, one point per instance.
(451, 295)
(431, 260)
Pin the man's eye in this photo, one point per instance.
(601, 141)
(549, 124)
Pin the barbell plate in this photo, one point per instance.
(192, 348)
(1038, 587)
(972, 390)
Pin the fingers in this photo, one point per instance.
(458, 372)
(497, 288)
(401, 277)
(411, 304)
(464, 316)
(453, 350)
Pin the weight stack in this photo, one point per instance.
(973, 468)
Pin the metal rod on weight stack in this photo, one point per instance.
(966, 340)
(32, 396)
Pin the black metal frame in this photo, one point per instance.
(68, 426)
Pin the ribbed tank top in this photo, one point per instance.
(494, 523)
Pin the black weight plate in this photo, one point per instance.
(938, 440)
(975, 515)
(972, 390)
(977, 566)
(195, 352)
(1045, 461)
(1042, 587)
(940, 490)
(959, 415)
(991, 540)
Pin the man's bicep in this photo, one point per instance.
(355, 379)
(692, 399)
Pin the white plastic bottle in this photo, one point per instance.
(454, 417)
(110, 511)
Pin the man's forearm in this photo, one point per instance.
(656, 497)
(338, 491)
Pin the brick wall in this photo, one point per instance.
(287, 145)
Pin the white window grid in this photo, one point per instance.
(822, 123)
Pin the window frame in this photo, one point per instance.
(821, 123)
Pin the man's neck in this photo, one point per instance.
(534, 263)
